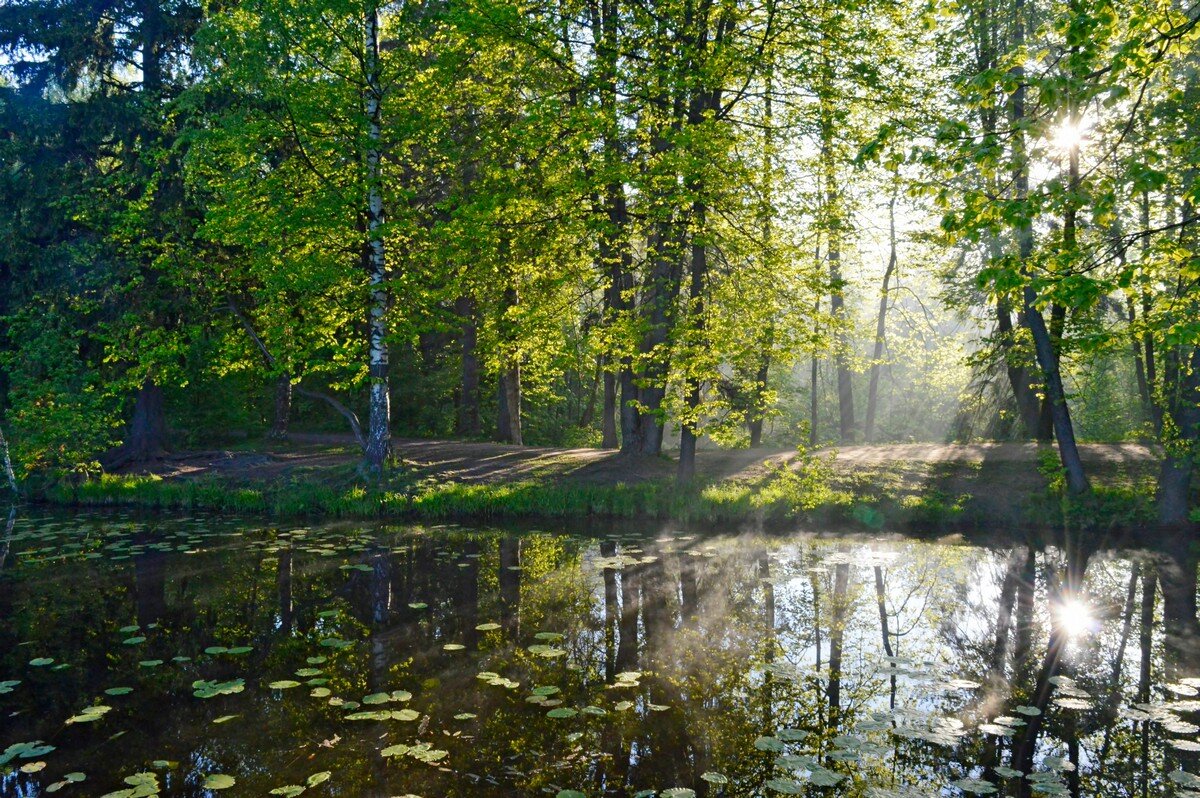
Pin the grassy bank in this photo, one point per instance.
(899, 496)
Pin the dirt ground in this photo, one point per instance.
(998, 465)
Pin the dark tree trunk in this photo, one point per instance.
(608, 422)
(468, 423)
(699, 268)
(283, 407)
(627, 643)
(661, 292)
(509, 422)
(1175, 473)
(1064, 429)
(145, 439)
(755, 425)
(1019, 378)
(1181, 627)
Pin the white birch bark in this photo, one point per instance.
(379, 415)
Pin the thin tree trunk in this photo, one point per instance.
(814, 374)
(839, 605)
(614, 254)
(833, 256)
(9, 476)
(881, 326)
(1139, 365)
(468, 392)
(379, 416)
(884, 631)
(699, 268)
(589, 409)
(269, 359)
(1146, 649)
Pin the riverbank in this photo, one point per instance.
(901, 486)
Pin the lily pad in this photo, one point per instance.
(218, 781)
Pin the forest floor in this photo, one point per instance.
(1001, 467)
(890, 484)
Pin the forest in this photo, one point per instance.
(639, 225)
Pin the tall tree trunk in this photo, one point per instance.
(1044, 344)
(615, 259)
(699, 268)
(845, 385)
(767, 225)
(814, 374)
(468, 423)
(661, 292)
(379, 441)
(881, 325)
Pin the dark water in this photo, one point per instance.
(177, 656)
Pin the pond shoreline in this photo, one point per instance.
(906, 487)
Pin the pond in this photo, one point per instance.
(191, 656)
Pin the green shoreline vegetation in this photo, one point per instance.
(873, 498)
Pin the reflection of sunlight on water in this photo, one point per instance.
(1075, 617)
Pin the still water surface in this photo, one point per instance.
(192, 657)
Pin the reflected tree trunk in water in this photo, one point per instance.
(837, 630)
(884, 632)
(689, 588)
(627, 646)
(768, 724)
(1146, 646)
(150, 579)
(8, 530)
(467, 595)
(1004, 618)
(612, 611)
(283, 583)
(1181, 631)
(1023, 627)
(510, 586)
(1060, 587)
(1109, 711)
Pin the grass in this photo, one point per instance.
(930, 497)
